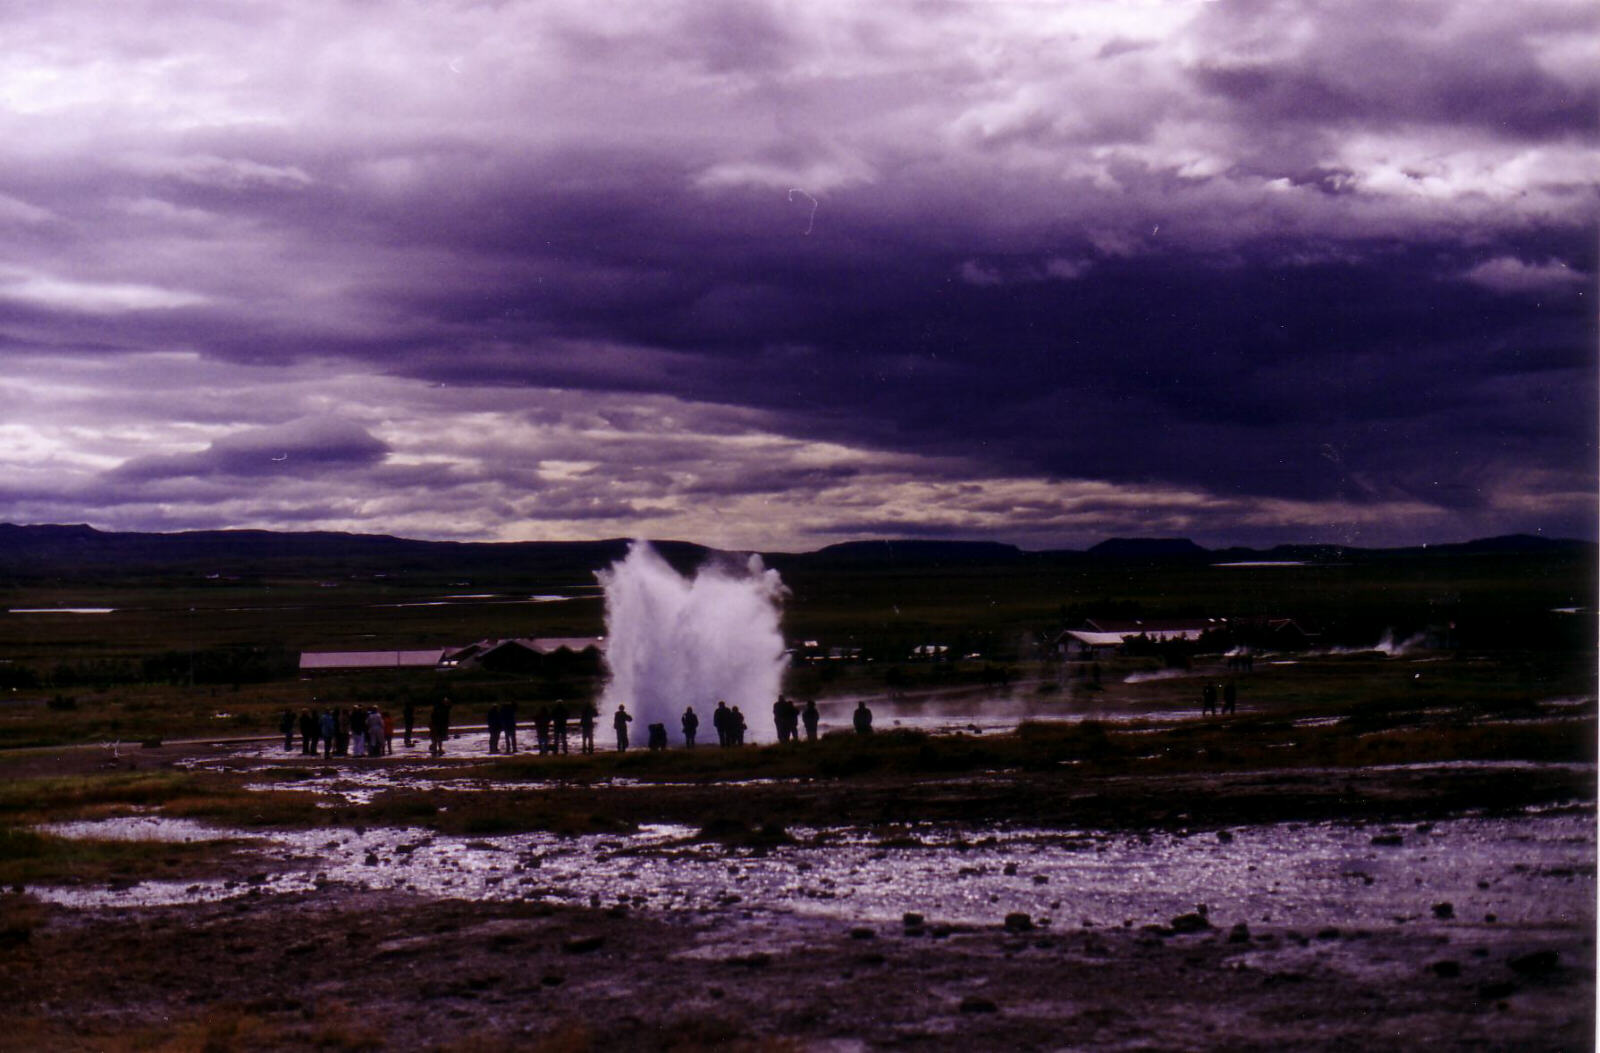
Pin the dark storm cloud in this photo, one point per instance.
(301, 447)
(1243, 251)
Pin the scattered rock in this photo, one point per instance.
(1446, 970)
(1041, 879)
(1017, 921)
(1010, 870)
(1539, 963)
(1195, 922)
(1240, 933)
(1224, 837)
(582, 944)
(1389, 840)
(1496, 991)
(1444, 910)
(978, 1004)
(861, 932)
(911, 920)
(1329, 933)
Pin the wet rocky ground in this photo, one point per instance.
(346, 968)
(1450, 906)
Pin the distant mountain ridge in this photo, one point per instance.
(68, 549)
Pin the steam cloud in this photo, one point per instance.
(674, 642)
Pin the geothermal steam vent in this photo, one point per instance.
(674, 641)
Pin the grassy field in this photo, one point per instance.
(192, 657)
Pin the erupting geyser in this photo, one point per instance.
(673, 642)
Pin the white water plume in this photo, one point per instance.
(673, 641)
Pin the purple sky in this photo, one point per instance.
(777, 275)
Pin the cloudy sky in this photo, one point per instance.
(774, 275)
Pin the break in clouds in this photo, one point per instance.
(773, 275)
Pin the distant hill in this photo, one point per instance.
(909, 553)
(80, 552)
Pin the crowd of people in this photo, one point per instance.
(361, 731)
(367, 731)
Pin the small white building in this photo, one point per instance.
(1103, 637)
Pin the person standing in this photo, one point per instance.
(691, 724)
(558, 727)
(863, 718)
(736, 726)
(508, 724)
(286, 726)
(780, 720)
(719, 720)
(438, 727)
(811, 718)
(494, 728)
(586, 728)
(620, 722)
(409, 712)
(541, 729)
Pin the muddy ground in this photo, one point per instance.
(348, 967)
(344, 969)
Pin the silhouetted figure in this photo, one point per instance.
(438, 727)
(493, 719)
(620, 722)
(328, 729)
(508, 725)
(388, 731)
(541, 729)
(863, 718)
(558, 727)
(811, 717)
(1230, 697)
(1208, 699)
(310, 732)
(586, 727)
(376, 740)
(736, 726)
(719, 720)
(786, 718)
(409, 713)
(658, 737)
(691, 724)
(286, 727)
(341, 732)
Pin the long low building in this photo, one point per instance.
(313, 660)
(507, 655)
